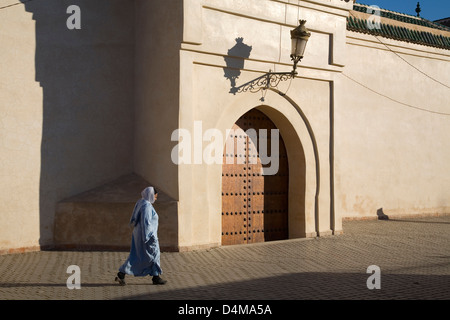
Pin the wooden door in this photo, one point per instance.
(254, 206)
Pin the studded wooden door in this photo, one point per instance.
(254, 206)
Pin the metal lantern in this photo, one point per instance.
(299, 37)
(270, 80)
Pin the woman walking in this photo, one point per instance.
(144, 257)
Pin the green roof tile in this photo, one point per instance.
(399, 33)
(402, 17)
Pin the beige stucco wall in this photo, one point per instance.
(66, 105)
(20, 131)
(81, 108)
(374, 154)
(205, 96)
(159, 28)
(159, 31)
(389, 155)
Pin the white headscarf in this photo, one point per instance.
(148, 194)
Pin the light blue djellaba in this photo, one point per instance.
(144, 257)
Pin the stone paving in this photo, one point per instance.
(413, 255)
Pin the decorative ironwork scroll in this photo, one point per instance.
(268, 80)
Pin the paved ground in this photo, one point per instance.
(413, 256)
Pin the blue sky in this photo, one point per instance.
(431, 9)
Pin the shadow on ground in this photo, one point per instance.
(316, 286)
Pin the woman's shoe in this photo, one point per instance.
(120, 278)
(158, 280)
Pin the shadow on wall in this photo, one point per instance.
(235, 61)
(87, 79)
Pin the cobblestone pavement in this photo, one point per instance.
(413, 255)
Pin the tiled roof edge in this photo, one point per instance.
(399, 33)
(402, 17)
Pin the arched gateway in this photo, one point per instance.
(254, 205)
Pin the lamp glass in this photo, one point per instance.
(298, 47)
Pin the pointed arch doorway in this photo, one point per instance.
(254, 206)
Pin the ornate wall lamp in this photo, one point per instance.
(299, 38)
